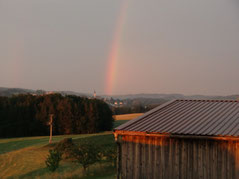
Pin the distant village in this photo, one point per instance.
(110, 101)
(118, 106)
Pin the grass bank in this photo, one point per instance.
(127, 116)
(24, 157)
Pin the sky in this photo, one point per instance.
(121, 46)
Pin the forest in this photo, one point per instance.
(28, 115)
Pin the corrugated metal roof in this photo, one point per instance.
(189, 117)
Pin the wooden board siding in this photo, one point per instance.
(182, 158)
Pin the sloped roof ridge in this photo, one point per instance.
(208, 100)
(150, 116)
(145, 114)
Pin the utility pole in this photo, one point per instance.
(50, 124)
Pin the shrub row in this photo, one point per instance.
(85, 154)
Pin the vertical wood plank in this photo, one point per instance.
(195, 160)
(176, 165)
(200, 169)
(119, 155)
(146, 164)
(140, 159)
(210, 163)
(229, 163)
(233, 159)
(180, 157)
(210, 159)
(166, 158)
(150, 158)
(143, 174)
(204, 159)
(171, 163)
(190, 159)
(163, 159)
(184, 159)
(215, 160)
(130, 156)
(223, 159)
(157, 174)
(137, 156)
(162, 156)
(154, 157)
(219, 160)
(237, 160)
(127, 158)
(124, 159)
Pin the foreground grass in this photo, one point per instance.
(25, 157)
(12, 144)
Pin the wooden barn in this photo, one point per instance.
(186, 139)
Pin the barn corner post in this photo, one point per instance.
(117, 140)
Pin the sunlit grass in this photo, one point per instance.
(25, 158)
(123, 118)
(7, 145)
(127, 116)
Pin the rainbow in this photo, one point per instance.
(16, 63)
(114, 52)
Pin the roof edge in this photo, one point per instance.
(132, 133)
(209, 100)
(145, 114)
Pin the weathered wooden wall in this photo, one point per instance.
(172, 158)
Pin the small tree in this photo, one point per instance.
(53, 160)
(110, 154)
(65, 147)
(86, 154)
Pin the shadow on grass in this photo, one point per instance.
(69, 171)
(16, 145)
(44, 172)
(107, 172)
(33, 174)
(101, 140)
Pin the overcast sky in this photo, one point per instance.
(166, 46)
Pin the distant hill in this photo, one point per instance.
(148, 98)
(153, 96)
(168, 97)
(15, 91)
(74, 93)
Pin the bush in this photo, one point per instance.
(53, 160)
(65, 147)
(110, 154)
(86, 154)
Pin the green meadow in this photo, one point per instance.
(25, 157)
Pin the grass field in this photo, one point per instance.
(25, 157)
(127, 116)
(123, 118)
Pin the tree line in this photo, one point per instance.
(28, 115)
